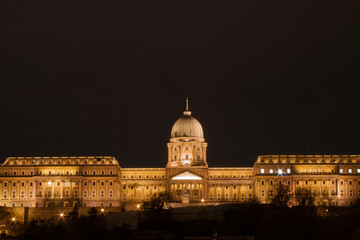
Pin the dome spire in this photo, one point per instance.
(187, 112)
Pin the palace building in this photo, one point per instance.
(99, 181)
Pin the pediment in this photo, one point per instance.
(186, 175)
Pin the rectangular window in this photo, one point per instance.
(263, 183)
(271, 171)
(350, 171)
(288, 171)
(110, 183)
(341, 170)
(262, 170)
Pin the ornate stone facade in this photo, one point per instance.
(100, 181)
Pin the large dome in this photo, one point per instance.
(187, 126)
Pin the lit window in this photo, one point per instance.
(350, 171)
(358, 170)
(341, 170)
(280, 172)
(49, 183)
(67, 184)
(288, 171)
(262, 170)
(271, 171)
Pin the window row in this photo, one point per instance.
(227, 197)
(228, 176)
(93, 183)
(141, 176)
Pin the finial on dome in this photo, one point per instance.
(187, 112)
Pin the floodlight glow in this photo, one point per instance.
(49, 183)
(102, 210)
(61, 214)
(186, 161)
(13, 219)
(202, 200)
(138, 206)
(186, 176)
(280, 172)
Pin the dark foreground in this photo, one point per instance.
(258, 221)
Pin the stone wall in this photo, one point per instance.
(114, 216)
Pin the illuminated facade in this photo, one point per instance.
(100, 181)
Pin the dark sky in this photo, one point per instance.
(111, 77)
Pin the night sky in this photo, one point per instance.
(111, 77)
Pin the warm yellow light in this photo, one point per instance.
(13, 219)
(186, 176)
(138, 206)
(61, 214)
(202, 200)
(102, 210)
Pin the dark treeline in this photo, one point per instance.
(252, 219)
